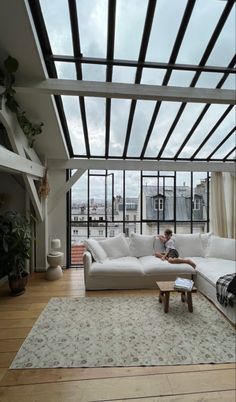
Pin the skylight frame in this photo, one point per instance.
(138, 65)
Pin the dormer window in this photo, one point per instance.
(159, 204)
(196, 204)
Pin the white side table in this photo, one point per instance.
(54, 270)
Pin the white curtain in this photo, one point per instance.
(223, 204)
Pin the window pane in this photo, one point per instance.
(209, 80)
(206, 124)
(225, 148)
(163, 123)
(74, 123)
(65, 71)
(95, 112)
(196, 39)
(93, 31)
(141, 122)
(230, 82)
(56, 18)
(181, 78)
(200, 198)
(165, 27)
(152, 76)
(119, 118)
(190, 114)
(224, 48)
(94, 72)
(220, 133)
(183, 198)
(132, 193)
(123, 74)
(130, 18)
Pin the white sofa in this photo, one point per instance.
(121, 263)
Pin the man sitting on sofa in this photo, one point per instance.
(171, 254)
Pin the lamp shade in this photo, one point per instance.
(55, 244)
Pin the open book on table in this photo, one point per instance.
(183, 284)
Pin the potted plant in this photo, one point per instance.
(15, 248)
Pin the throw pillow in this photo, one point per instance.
(141, 245)
(115, 247)
(189, 245)
(158, 245)
(205, 238)
(95, 249)
(221, 247)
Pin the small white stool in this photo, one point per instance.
(54, 270)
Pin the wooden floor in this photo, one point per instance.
(185, 383)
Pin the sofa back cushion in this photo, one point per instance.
(205, 238)
(141, 245)
(93, 246)
(158, 245)
(221, 247)
(189, 245)
(115, 247)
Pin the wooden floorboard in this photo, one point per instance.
(186, 383)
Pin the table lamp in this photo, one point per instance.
(55, 246)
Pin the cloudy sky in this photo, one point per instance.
(130, 18)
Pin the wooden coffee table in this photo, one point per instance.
(165, 288)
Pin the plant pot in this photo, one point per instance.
(17, 285)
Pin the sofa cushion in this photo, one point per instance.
(158, 245)
(125, 266)
(205, 238)
(95, 249)
(213, 268)
(155, 266)
(221, 247)
(115, 247)
(141, 245)
(189, 245)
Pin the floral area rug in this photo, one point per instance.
(126, 331)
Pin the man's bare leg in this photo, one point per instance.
(182, 261)
(159, 255)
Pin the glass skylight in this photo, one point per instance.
(60, 39)
(152, 134)
(92, 17)
(130, 18)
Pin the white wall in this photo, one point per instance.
(12, 194)
(57, 213)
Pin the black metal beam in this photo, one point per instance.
(179, 38)
(221, 143)
(136, 63)
(110, 55)
(50, 65)
(203, 61)
(203, 112)
(142, 54)
(77, 53)
(226, 112)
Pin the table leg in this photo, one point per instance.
(190, 301)
(183, 297)
(166, 302)
(161, 294)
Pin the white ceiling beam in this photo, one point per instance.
(110, 164)
(18, 164)
(15, 136)
(64, 189)
(54, 86)
(32, 191)
(19, 142)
